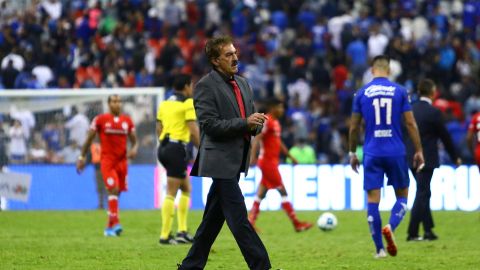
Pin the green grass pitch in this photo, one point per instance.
(74, 240)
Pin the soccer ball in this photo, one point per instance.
(327, 221)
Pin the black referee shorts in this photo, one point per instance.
(173, 157)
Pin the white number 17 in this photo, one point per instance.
(381, 103)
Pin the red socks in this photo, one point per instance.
(112, 210)
(288, 208)
(254, 211)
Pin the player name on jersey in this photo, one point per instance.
(379, 90)
(382, 133)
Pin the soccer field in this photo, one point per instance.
(74, 240)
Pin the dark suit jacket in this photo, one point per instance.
(431, 127)
(222, 130)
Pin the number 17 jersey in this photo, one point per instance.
(382, 103)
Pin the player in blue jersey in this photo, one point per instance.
(382, 104)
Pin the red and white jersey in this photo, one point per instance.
(113, 131)
(475, 127)
(271, 141)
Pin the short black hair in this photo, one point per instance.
(425, 87)
(180, 81)
(111, 96)
(380, 58)
(272, 102)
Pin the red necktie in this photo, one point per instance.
(241, 106)
(238, 97)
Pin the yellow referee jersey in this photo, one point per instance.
(174, 114)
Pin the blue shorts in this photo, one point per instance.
(374, 169)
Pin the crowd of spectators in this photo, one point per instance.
(312, 53)
(57, 136)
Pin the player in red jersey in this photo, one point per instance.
(474, 131)
(113, 129)
(270, 147)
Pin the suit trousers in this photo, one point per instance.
(225, 202)
(421, 212)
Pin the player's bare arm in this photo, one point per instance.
(134, 146)
(255, 145)
(194, 132)
(81, 161)
(284, 150)
(159, 128)
(411, 125)
(353, 140)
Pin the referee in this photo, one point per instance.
(176, 127)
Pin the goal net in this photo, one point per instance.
(42, 132)
(50, 126)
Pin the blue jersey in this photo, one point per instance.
(382, 104)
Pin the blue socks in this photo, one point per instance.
(375, 221)
(375, 224)
(398, 212)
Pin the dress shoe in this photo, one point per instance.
(430, 236)
(414, 238)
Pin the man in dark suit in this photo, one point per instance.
(431, 126)
(227, 119)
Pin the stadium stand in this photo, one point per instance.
(313, 54)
